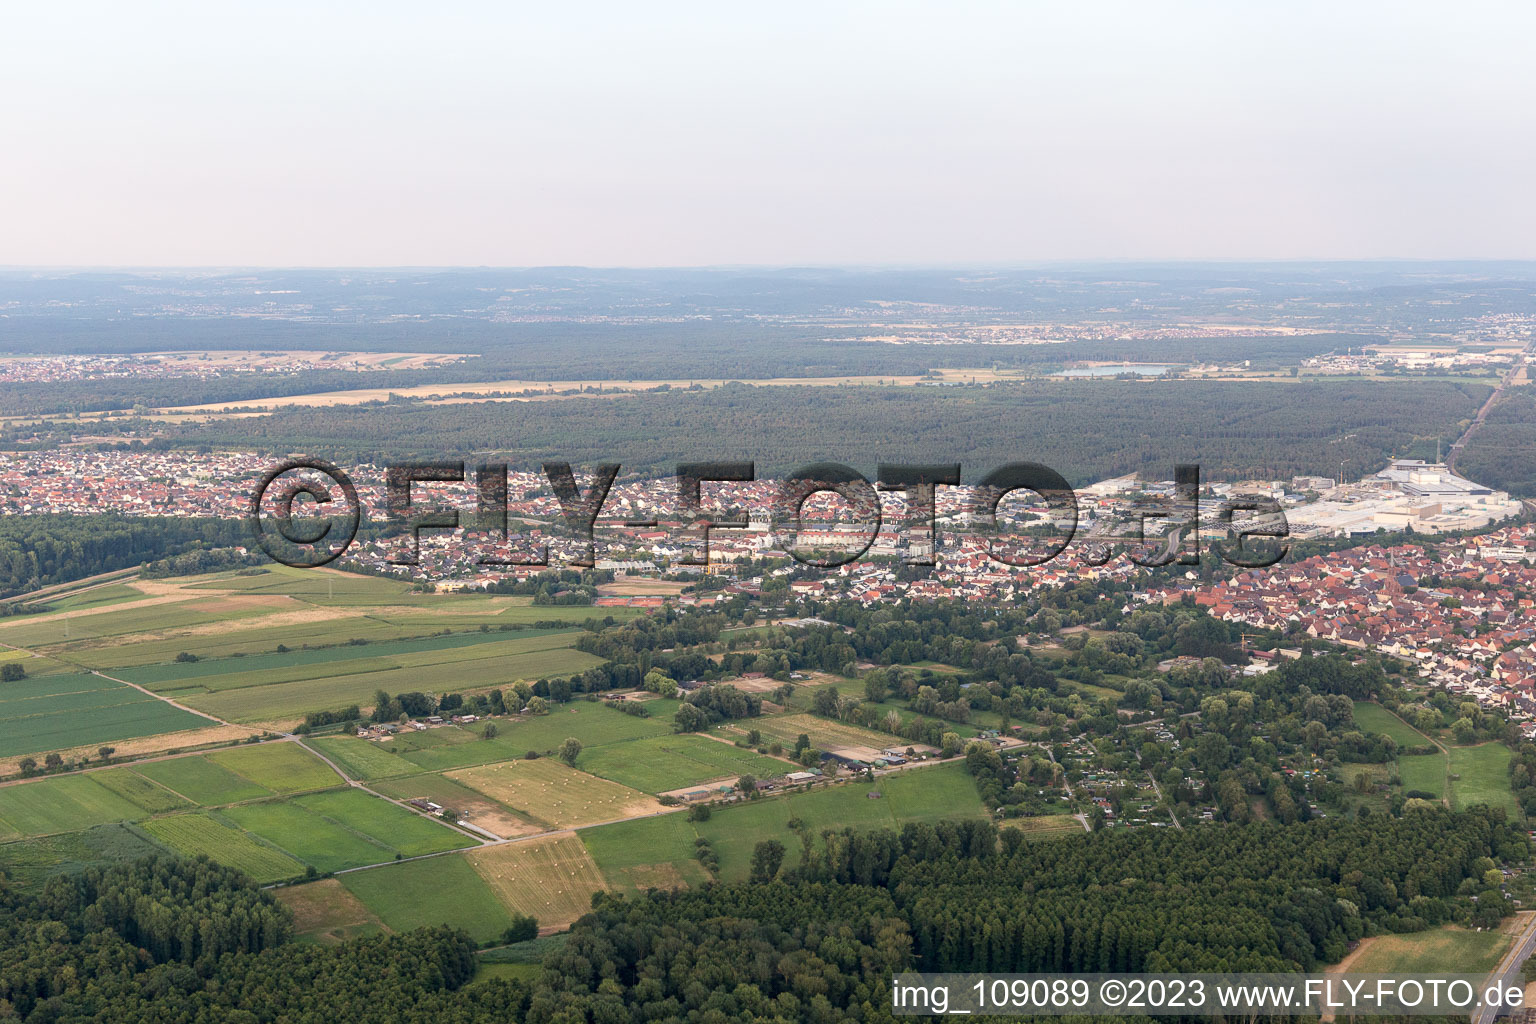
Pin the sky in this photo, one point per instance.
(690, 134)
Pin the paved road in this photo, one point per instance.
(1508, 969)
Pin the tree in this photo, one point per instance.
(490, 731)
(186, 657)
(747, 784)
(689, 718)
(11, 672)
(28, 766)
(766, 859)
(106, 752)
(950, 745)
(522, 929)
(538, 706)
(53, 761)
(569, 750)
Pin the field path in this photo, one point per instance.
(159, 696)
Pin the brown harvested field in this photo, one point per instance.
(639, 586)
(551, 792)
(551, 878)
(327, 912)
(148, 746)
(824, 734)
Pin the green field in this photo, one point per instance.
(362, 759)
(1482, 777)
(95, 597)
(280, 767)
(1424, 772)
(106, 624)
(1439, 949)
(671, 762)
(54, 712)
(194, 834)
(201, 781)
(424, 893)
(295, 698)
(1048, 826)
(388, 824)
(150, 796)
(1373, 718)
(304, 583)
(628, 852)
(64, 803)
(308, 837)
(30, 862)
(290, 664)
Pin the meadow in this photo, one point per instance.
(201, 781)
(637, 853)
(388, 824)
(550, 792)
(1434, 950)
(64, 803)
(1423, 772)
(30, 862)
(285, 700)
(425, 893)
(823, 732)
(280, 767)
(1373, 718)
(1480, 775)
(51, 712)
(1049, 826)
(363, 759)
(193, 834)
(664, 763)
(551, 878)
(326, 912)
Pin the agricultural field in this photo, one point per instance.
(30, 862)
(425, 893)
(293, 699)
(588, 721)
(391, 825)
(64, 803)
(477, 808)
(1049, 826)
(553, 793)
(1373, 718)
(201, 781)
(307, 837)
(280, 767)
(551, 878)
(325, 912)
(1480, 775)
(1433, 950)
(659, 851)
(823, 733)
(52, 712)
(647, 853)
(149, 796)
(362, 759)
(193, 834)
(665, 763)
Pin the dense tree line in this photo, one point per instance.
(1234, 430)
(37, 551)
(821, 943)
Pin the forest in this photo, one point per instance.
(1085, 431)
(1502, 452)
(815, 940)
(37, 551)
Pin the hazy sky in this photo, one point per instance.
(519, 134)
